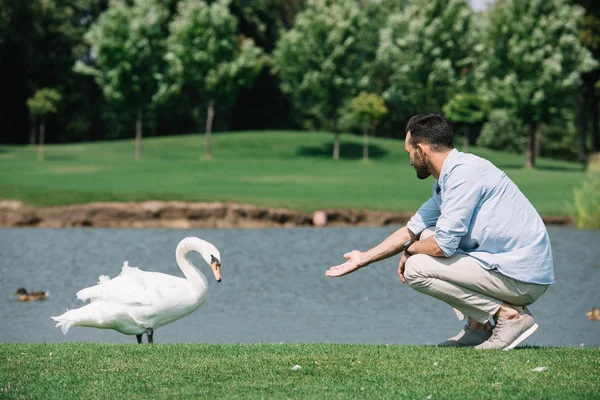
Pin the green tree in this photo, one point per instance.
(364, 112)
(532, 61)
(39, 40)
(41, 105)
(586, 207)
(207, 62)
(589, 101)
(324, 60)
(426, 54)
(503, 132)
(128, 45)
(468, 110)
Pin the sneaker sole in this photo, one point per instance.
(522, 338)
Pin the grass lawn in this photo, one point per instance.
(265, 371)
(281, 169)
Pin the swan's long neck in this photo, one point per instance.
(191, 272)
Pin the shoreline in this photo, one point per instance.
(181, 215)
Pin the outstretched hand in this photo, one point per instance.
(355, 261)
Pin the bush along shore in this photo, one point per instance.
(175, 214)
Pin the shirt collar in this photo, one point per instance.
(449, 162)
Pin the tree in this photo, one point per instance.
(324, 60)
(41, 105)
(467, 109)
(426, 55)
(364, 111)
(502, 131)
(128, 44)
(39, 40)
(207, 62)
(532, 61)
(589, 101)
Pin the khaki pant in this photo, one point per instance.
(464, 284)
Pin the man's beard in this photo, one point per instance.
(421, 168)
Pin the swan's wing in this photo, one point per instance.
(129, 288)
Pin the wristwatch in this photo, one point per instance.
(407, 245)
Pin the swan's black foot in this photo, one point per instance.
(150, 332)
(139, 338)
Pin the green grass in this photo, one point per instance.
(264, 371)
(281, 169)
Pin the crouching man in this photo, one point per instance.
(477, 244)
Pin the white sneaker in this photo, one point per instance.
(509, 333)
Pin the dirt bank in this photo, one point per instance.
(174, 214)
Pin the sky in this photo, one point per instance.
(479, 5)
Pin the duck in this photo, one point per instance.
(138, 302)
(594, 314)
(23, 295)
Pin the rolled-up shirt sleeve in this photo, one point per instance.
(426, 216)
(461, 194)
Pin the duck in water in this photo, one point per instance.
(594, 314)
(23, 295)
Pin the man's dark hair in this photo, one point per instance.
(431, 129)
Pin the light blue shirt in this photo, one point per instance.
(477, 210)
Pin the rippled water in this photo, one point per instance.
(274, 288)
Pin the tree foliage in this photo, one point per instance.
(426, 55)
(503, 131)
(467, 108)
(363, 111)
(41, 105)
(207, 61)
(324, 60)
(532, 60)
(44, 102)
(127, 44)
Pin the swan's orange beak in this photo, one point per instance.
(216, 267)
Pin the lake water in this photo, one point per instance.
(274, 289)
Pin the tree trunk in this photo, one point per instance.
(210, 115)
(366, 144)
(42, 138)
(465, 148)
(336, 146)
(530, 162)
(582, 130)
(32, 139)
(138, 133)
(537, 144)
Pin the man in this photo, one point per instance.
(477, 244)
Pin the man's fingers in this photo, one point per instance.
(401, 272)
(347, 256)
(336, 272)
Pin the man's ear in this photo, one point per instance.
(421, 149)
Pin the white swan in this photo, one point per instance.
(137, 302)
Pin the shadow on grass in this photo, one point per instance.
(509, 165)
(560, 168)
(61, 157)
(348, 151)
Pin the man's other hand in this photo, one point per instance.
(401, 266)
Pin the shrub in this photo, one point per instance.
(503, 132)
(587, 203)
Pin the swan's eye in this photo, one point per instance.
(214, 259)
